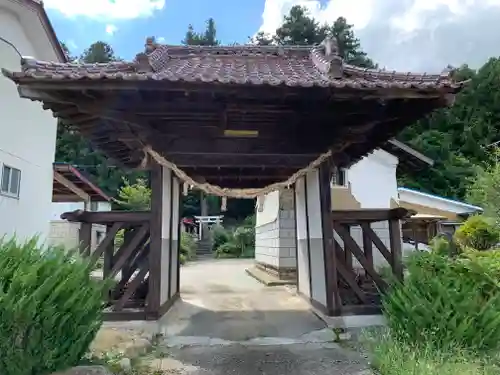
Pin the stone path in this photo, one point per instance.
(229, 323)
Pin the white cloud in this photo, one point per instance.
(415, 35)
(106, 9)
(71, 44)
(160, 39)
(111, 29)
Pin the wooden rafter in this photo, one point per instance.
(71, 186)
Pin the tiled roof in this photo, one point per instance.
(300, 66)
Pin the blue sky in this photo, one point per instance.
(127, 31)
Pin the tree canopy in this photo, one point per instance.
(299, 28)
(457, 138)
(206, 38)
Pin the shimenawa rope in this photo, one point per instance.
(234, 193)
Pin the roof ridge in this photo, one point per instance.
(325, 56)
(382, 73)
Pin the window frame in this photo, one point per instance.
(94, 206)
(336, 177)
(8, 193)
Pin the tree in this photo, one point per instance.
(191, 37)
(484, 190)
(205, 38)
(67, 52)
(299, 28)
(137, 196)
(99, 52)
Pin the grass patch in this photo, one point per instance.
(393, 357)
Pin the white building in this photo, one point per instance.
(27, 132)
(368, 184)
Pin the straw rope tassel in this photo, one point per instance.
(223, 205)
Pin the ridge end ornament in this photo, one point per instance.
(332, 54)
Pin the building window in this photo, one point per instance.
(94, 207)
(11, 179)
(339, 177)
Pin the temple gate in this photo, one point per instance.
(221, 119)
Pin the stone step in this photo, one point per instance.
(204, 247)
(204, 251)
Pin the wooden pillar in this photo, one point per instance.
(396, 248)
(203, 212)
(108, 254)
(316, 262)
(85, 238)
(164, 244)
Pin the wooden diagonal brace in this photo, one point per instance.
(71, 186)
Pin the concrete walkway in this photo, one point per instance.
(219, 300)
(229, 323)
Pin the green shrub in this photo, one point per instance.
(119, 238)
(238, 243)
(220, 236)
(244, 237)
(249, 221)
(187, 247)
(478, 232)
(440, 245)
(489, 260)
(241, 242)
(50, 308)
(446, 302)
(227, 250)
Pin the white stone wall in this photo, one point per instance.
(66, 234)
(275, 240)
(63, 233)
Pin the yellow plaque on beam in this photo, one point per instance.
(241, 133)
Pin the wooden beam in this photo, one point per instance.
(107, 217)
(216, 87)
(232, 145)
(369, 215)
(229, 160)
(61, 198)
(243, 177)
(71, 186)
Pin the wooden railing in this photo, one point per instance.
(359, 287)
(126, 261)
